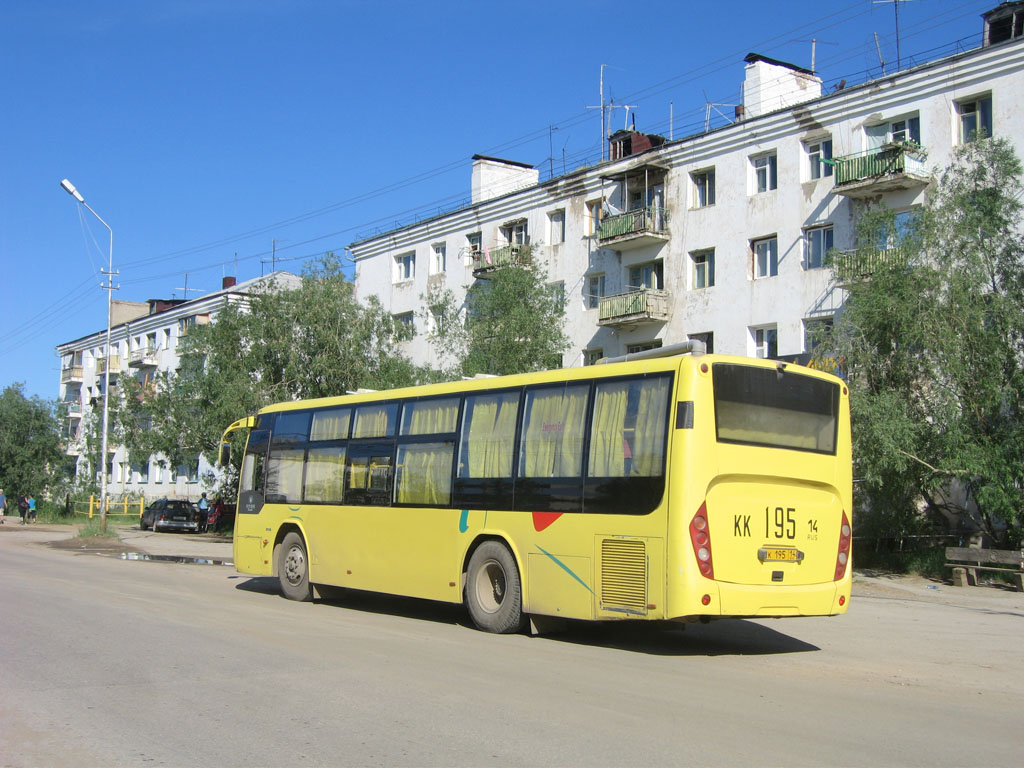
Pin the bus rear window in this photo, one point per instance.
(775, 408)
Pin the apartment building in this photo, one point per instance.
(721, 236)
(144, 340)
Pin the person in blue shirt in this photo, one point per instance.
(204, 508)
(31, 508)
(3, 506)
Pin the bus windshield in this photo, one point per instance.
(775, 408)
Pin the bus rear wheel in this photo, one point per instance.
(493, 589)
(293, 568)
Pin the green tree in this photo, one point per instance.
(512, 322)
(313, 341)
(31, 459)
(933, 344)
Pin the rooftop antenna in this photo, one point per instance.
(708, 106)
(604, 132)
(814, 50)
(896, 12)
(186, 289)
(879, 49)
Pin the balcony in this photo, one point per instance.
(853, 266)
(115, 365)
(638, 307)
(71, 375)
(74, 447)
(74, 410)
(505, 255)
(634, 229)
(143, 358)
(894, 166)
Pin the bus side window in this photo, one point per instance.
(488, 436)
(370, 474)
(627, 437)
(284, 475)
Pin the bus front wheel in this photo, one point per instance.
(493, 589)
(293, 568)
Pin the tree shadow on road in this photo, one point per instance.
(726, 637)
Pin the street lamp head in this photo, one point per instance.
(70, 189)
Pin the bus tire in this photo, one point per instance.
(493, 589)
(293, 568)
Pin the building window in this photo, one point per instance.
(405, 266)
(766, 341)
(514, 233)
(595, 291)
(708, 339)
(193, 471)
(815, 332)
(556, 225)
(406, 321)
(817, 243)
(975, 118)
(594, 216)
(817, 152)
(703, 188)
(591, 356)
(766, 175)
(703, 268)
(649, 276)
(905, 130)
(144, 472)
(643, 346)
(766, 257)
(558, 292)
(438, 258)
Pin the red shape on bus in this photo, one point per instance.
(542, 520)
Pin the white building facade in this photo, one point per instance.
(721, 236)
(144, 340)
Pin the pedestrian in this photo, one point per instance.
(22, 506)
(204, 513)
(31, 508)
(3, 506)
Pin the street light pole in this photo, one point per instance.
(68, 187)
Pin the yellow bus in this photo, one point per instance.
(675, 487)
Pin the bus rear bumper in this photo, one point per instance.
(745, 600)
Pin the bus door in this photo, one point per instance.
(251, 496)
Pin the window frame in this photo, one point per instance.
(765, 167)
(819, 150)
(772, 257)
(981, 112)
(594, 299)
(702, 272)
(813, 259)
(405, 267)
(704, 194)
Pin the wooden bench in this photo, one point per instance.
(967, 561)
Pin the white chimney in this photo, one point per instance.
(770, 85)
(493, 177)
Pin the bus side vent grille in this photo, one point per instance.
(623, 576)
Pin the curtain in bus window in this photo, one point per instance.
(375, 420)
(553, 432)
(488, 435)
(331, 425)
(649, 436)
(425, 473)
(608, 446)
(430, 417)
(325, 474)
(284, 476)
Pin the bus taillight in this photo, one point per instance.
(843, 557)
(700, 537)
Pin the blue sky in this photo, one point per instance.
(205, 129)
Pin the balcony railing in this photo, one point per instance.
(504, 255)
(74, 409)
(850, 266)
(643, 305)
(115, 365)
(649, 224)
(893, 166)
(73, 373)
(141, 358)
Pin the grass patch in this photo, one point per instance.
(92, 530)
(929, 563)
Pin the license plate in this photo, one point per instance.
(779, 555)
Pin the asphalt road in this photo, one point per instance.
(124, 662)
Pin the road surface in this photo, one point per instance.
(125, 662)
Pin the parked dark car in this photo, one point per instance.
(173, 515)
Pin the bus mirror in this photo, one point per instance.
(225, 454)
